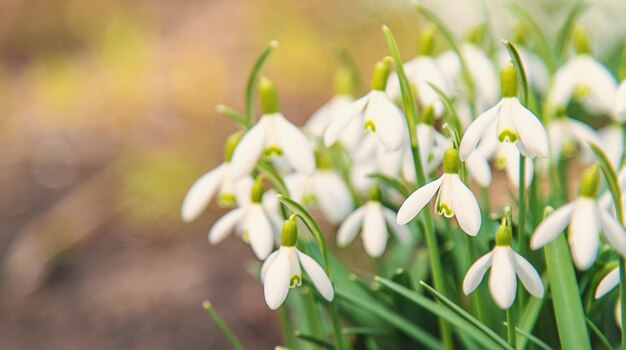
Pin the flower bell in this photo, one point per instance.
(325, 188)
(607, 284)
(584, 79)
(586, 219)
(454, 198)
(514, 123)
(373, 220)
(254, 221)
(567, 134)
(506, 266)
(375, 113)
(272, 136)
(219, 180)
(282, 270)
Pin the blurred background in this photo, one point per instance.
(107, 117)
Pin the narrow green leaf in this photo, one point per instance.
(543, 47)
(314, 340)
(232, 114)
(447, 102)
(419, 335)
(252, 80)
(521, 71)
(605, 342)
(568, 308)
(373, 332)
(610, 174)
(464, 321)
(529, 316)
(223, 327)
(531, 338)
(565, 33)
(266, 169)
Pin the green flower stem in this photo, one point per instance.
(219, 322)
(308, 300)
(285, 327)
(510, 326)
(410, 113)
(622, 297)
(521, 210)
(252, 81)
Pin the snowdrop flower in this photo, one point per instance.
(220, 181)
(566, 134)
(619, 106)
(506, 157)
(373, 220)
(586, 219)
(421, 72)
(325, 188)
(254, 221)
(272, 136)
(282, 270)
(506, 266)
(514, 123)
(584, 79)
(375, 112)
(454, 198)
(607, 284)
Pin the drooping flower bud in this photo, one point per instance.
(379, 78)
(289, 233)
(451, 161)
(508, 81)
(590, 182)
(268, 96)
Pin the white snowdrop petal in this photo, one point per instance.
(563, 85)
(531, 132)
(295, 146)
(350, 227)
(374, 230)
(388, 120)
(333, 196)
(613, 145)
(225, 225)
(502, 278)
(243, 186)
(417, 201)
(610, 281)
(465, 207)
(277, 278)
(584, 233)
(201, 192)
(341, 121)
(479, 169)
(528, 275)
(249, 149)
(267, 263)
(613, 232)
(475, 274)
(552, 226)
(476, 130)
(403, 234)
(318, 277)
(260, 231)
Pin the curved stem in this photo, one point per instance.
(521, 219)
(510, 327)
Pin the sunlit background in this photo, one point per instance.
(107, 117)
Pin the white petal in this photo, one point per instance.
(402, 232)
(475, 274)
(552, 226)
(277, 278)
(465, 207)
(619, 107)
(475, 132)
(248, 150)
(502, 278)
(610, 281)
(333, 196)
(341, 121)
(225, 225)
(417, 201)
(613, 145)
(319, 121)
(531, 132)
(350, 227)
(511, 155)
(479, 169)
(374, 230)
(584, 233)
(613, 232)
(260, 231)
(267, 263)
(318, 276)
(201, 193)
(387, 118)
(528, 275)
(295, 146)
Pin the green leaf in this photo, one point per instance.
(543, 48)
(252, 81)
(529, 317)
(526, 335)
(453, 116)
(565, 33)
(611, 179)
(521, 72)
(400, 323)
(605, 342)
(451, 313)
(232, 114)
(314, 340)
(223, 327)
(266, 169)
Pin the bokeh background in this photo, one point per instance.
(107, 117)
